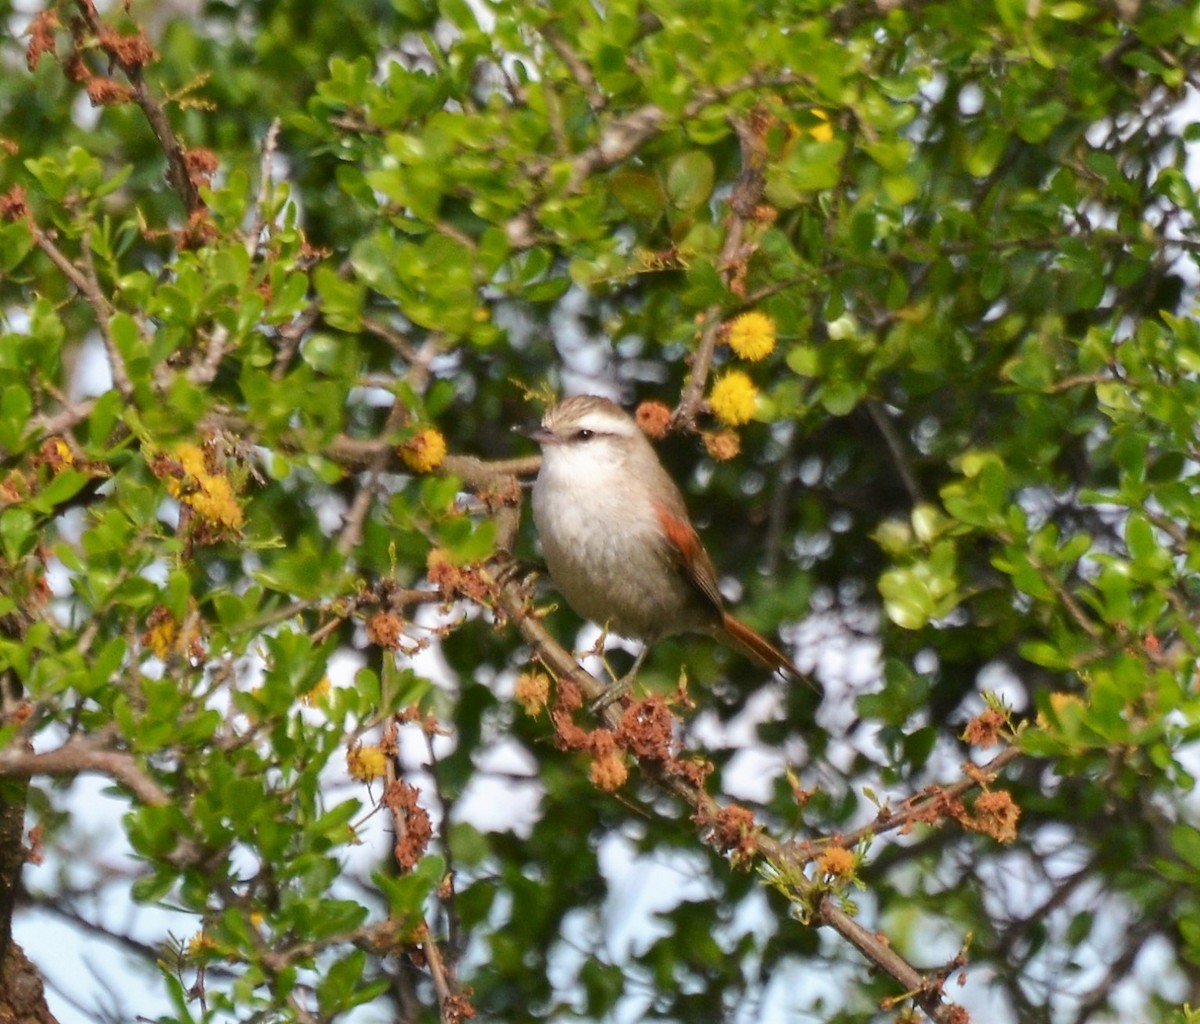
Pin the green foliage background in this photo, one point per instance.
(975, 442)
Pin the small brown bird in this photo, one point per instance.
(617, 538)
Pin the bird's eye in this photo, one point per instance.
(584, 435)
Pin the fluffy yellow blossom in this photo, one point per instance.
(836, 860)
(609, 772)
(752, 336)
(1065, 707)
(208, 493)
(424, 451)
(166, 636)
(366, 763)
(532, 691)
(733, 398)
(1060, 702)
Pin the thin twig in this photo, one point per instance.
(916, 810)
(745, 198)
(895, 445)
(706, 809)
(99, 303)
(621, 137)
(575, 65)
(177, 170)
(262, 206)
(453, 937)
(693, 392)
(356, 515)
(441, 981)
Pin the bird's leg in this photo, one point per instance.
(619, 688)
(508, 569)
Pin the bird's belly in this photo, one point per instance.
(617, 575)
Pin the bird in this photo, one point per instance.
(616, 536)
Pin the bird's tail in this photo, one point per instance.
(758, 648)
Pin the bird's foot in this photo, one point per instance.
(619, 688)
(616, 691)
(508, 569)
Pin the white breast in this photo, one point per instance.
(601, 543)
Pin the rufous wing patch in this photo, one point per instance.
(689, 554)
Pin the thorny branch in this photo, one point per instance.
(131, 62)
(621, 137)
(745, 198)
(920, 807)
(411, 827)
(79, 755)
(925, 991)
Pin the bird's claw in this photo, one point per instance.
(617, 690)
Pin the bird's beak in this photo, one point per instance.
(538, 433)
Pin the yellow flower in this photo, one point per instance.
(1066, 708)
(58, 454)
(1061, 702)
(207, 492)
(424, 451)
(733, 398)
(365, 763)
(318, 693)
(836, 860)
(160, 638)
(166, 636)
(822, 132)
(752, 336)
(532, 692)
(199, 946)
(609, 772)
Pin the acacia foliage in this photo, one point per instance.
(309, 243)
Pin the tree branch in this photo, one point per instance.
(745, 198)
(925, 992)
(79, 755)
(178, 175)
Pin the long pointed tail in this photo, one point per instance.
(758, 648)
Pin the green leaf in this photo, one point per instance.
(1185, 841)
(1139, 538)
(336, 988)
(127, 338)
(341, 298)
(61, 488)
(690, 180)
(406, 894)
(906, 598)
(639, 192)
(981, 156)
(809, 167)
(17, 533)
(16, 407)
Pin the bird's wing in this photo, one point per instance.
(688, 555)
